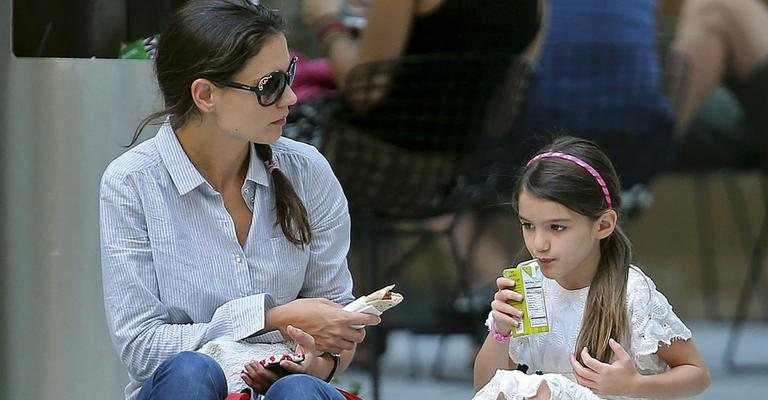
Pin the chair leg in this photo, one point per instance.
(710, 298)
(413, 356)
(439, 361)
(460, 260)
(751, 280)
(738, 210)
(374, 338)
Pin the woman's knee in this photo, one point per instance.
(189, 367)
(301, 386)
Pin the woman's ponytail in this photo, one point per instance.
(291, 213)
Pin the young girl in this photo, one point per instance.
(612, 334)
(218, 228)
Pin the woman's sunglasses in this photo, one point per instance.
(270, 86)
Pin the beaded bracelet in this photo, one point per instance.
(492, 329)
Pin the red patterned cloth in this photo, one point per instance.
(246, 396)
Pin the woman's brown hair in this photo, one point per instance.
(214, 39)
(566, 183)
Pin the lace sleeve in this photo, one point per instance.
(653, 321)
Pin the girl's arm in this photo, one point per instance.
(492, 357)
(504, 317)
(384, 36)
(687, 376)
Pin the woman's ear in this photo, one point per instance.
(202, 94)
(606, 224)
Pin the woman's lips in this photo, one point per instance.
(279, 122)
(544, 261)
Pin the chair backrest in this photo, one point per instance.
(405, 141)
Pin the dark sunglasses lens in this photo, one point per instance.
(272, 87)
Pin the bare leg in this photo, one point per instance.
(719, 36)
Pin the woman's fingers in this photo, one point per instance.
(301, 338)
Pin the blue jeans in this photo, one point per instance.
(187, 375)
(302, 387)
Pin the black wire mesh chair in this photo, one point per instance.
(419, 137)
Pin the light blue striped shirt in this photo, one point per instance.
(174, 274)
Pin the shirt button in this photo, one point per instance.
(238, 258)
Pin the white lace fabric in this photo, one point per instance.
(653, 323)
(516, 385)
(233, 355)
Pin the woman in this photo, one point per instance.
(218, 228)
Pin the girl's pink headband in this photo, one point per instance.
(580, 163)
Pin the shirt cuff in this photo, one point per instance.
(247, 315)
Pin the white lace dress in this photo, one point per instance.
(652, 322)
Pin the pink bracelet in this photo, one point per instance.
(496, 335)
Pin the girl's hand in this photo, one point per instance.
(505, 316)
(618, 378)
(315, 10)
(326, 322)
(260, 378)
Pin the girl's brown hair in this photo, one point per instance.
(564, 182)
(214, 39)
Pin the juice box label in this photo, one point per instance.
(529, 282)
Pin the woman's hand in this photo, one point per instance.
(617, 378)
(326, 322)
(313, 11)
(505, 316)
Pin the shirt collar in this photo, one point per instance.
(257, 171)
(183, 173)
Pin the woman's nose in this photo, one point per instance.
(289, 97)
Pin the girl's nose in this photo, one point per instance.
(541, 242)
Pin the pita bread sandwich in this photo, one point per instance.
(375, 303)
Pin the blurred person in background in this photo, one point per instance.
(725, 43)
(599, 76)
(397, 28)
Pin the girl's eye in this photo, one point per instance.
(557, 228)
(526, 225)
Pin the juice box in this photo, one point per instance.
(529, 282)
